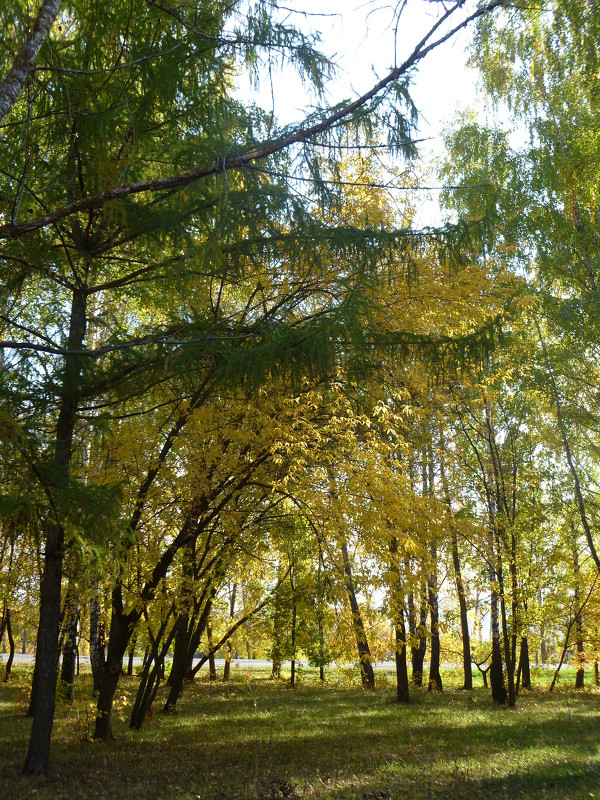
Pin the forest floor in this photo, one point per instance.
(257, 738)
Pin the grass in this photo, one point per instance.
(255, 738)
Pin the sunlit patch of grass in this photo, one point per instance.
(257, 738)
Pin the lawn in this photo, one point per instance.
(256, 738)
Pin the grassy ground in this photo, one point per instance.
(255, 738)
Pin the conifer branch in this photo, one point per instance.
(221, 165)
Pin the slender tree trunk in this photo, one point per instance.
(69, 650)
(362, 643)
(435, 678)
(418, 636)
(212, 670)
(131, 656)
(499, 694)
(580, 674)
(11, 644)
(293, 637)
(464, 618)
(397, 608)
(229, 651)
(96, 644)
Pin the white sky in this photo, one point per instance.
(360, 38)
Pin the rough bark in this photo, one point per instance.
(26, 57)
(69, 650)
(46, 666)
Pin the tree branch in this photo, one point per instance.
(221, 165)
(25, 60)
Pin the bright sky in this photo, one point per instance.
(360, 36)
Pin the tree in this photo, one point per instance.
(139, 200)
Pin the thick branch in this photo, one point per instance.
(25, 60)
(221, 165)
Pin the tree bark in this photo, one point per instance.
(11, 643)
(464, 618)
(229, 651)
(499, 694)
(96, 643)
(362, 643)
(435, 678)
(69, 651)
(46, 662)
(27, 55)
(524, 670)
(417, 632)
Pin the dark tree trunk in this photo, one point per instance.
(460, 587)
(69, 651)
(121, 626)
(499, 694)
(464, 619)
(212, 670)
(276, 650)
(11, 643)
(397, 609)
(229, 651)
(96, 643)
(46, 653)
(524, 669)
(293, 642)
(435, 678)
(418, 635)
(131, 657)
(362, 643)
(151, 675)
(580, 674)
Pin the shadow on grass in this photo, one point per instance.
(258, 739)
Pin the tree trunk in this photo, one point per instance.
(524, 669)
(464, 619)
(131, 656)
(69, 651)
(46, 659)
(293, 637)
(229, 651)
(212, 670)
(121, 626)
(11, 644)
(417, 632)
(362, 643)
(499, 694)
(397, 608)
(435, 678)
(580, 674)
(96, 643)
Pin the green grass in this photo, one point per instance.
(254, 738)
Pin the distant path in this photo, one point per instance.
(240, 663)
